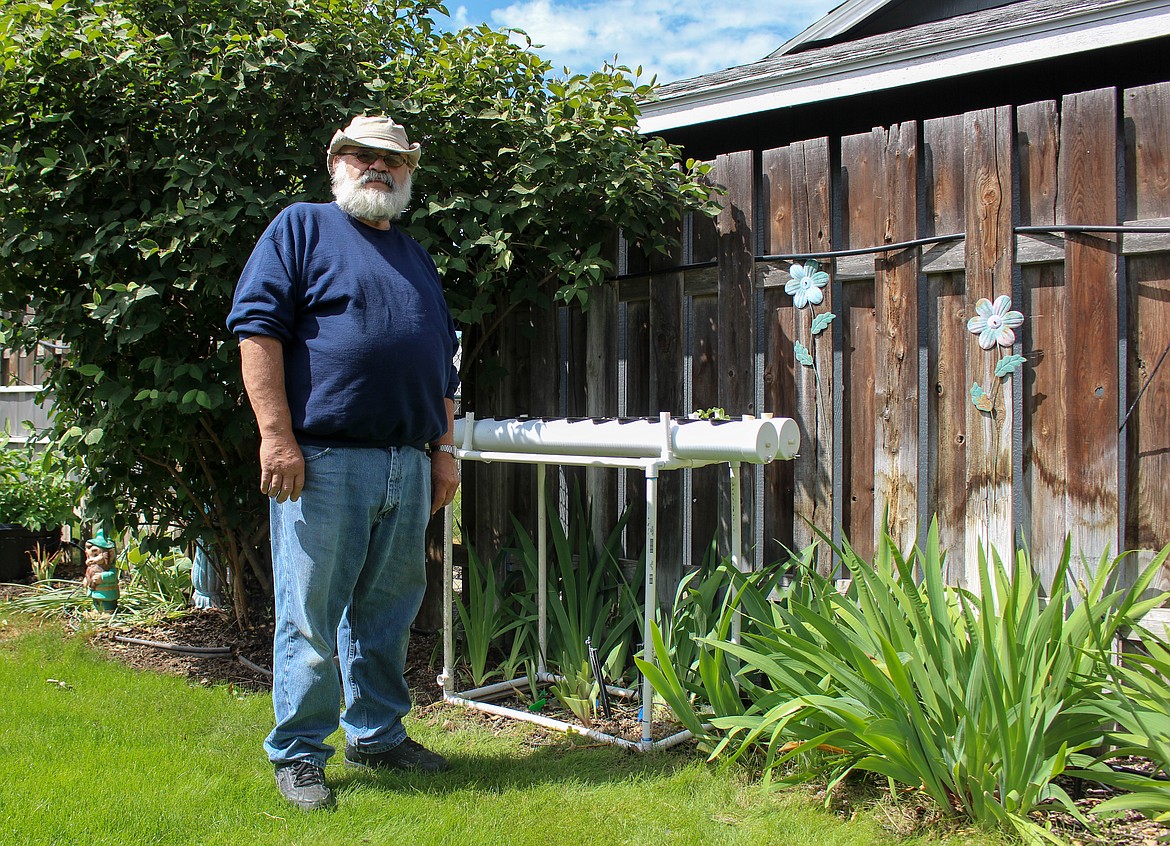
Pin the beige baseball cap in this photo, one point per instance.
(379, 132)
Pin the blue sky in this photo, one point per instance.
(674, 39)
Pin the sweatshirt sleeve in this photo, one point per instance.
(453, 378)
(264, 302)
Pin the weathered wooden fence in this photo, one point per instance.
(1062, 206)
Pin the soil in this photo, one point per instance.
(251, 656)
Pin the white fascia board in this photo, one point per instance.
(926, 64)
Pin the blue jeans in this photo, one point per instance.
(349, 576)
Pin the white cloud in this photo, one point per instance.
(671, 38)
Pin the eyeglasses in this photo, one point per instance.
(368, 157)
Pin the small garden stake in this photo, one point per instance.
(599, 677)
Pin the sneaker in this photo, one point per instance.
(407, 755)
(303, 784)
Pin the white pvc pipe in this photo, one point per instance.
(574, 728)
(614, 690)
(756, 441)
(651, 603)
(447, 679)
(491, 691)
(736, 539)
(607, 462)
(541, 573)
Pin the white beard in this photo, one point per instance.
(372, 204)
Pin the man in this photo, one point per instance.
(346, 346)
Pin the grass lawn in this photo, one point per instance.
(93, 752)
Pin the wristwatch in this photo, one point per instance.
(447, 448)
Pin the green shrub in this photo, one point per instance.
(35, 489)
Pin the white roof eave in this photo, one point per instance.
(923, 63)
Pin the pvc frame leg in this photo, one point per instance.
(736, 539)
(447, 679)
(651, 603)
(541, 573)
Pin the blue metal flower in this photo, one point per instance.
(805, 285)
(994, 322)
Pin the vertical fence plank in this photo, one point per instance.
(736, 293)
(737, 330)
(797, 193)
(704, 394)
(1088, 194)
(704, 387)
(862, 186)
(545, 391)
(945, 200)
(601, 401)
(779, 197)
(486, 507)
(896, 344)
(666, 394)
(1147, 161)
(989, 256)
(572, 395)
(638, 404)
(526, 381)
(1046, 372)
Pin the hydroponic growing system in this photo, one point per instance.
(647, 444)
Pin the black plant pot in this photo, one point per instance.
(18, 547)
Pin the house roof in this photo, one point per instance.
(854, 19)
(832, 25)
(992, 38)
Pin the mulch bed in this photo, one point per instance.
(251, 652)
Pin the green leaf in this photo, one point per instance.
(93, 436)
(802, 354)
(980, 398)
(821, 322)
(1008, 364)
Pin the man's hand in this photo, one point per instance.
(444, 480)
(282, 467)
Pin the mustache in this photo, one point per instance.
(375, 176)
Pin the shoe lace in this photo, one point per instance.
(306, 774)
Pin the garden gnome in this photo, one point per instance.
(101, 577)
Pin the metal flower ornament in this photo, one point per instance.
(806, 284)
(995, 324)
(806, 287)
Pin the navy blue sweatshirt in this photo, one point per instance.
(368, 341)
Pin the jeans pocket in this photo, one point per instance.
(312, 453)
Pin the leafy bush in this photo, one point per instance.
(35, 489)
(978, 700)
(146, 146)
